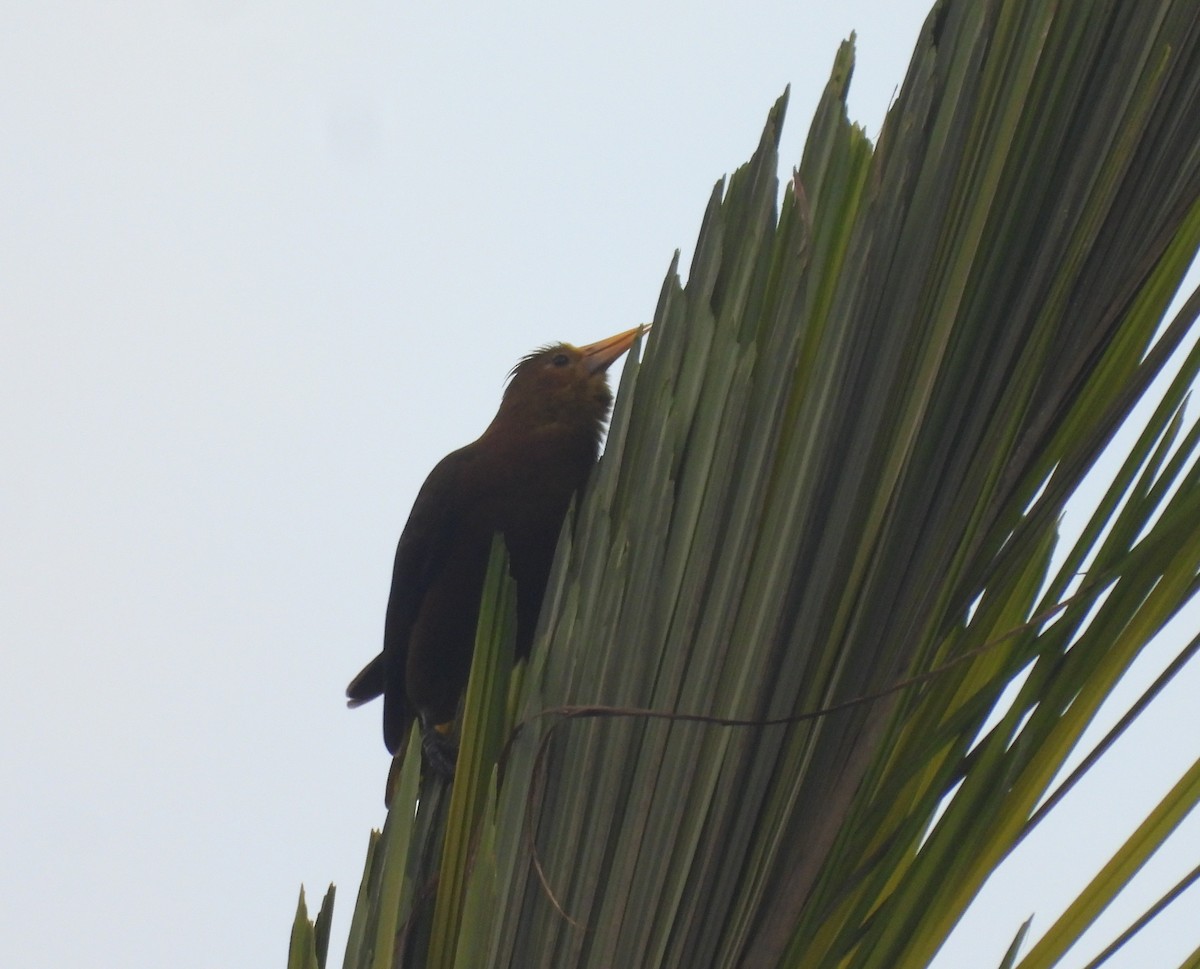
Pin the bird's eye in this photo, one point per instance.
(560, 360)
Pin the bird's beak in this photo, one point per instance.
(598, 357)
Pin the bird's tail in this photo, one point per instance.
(367, 685)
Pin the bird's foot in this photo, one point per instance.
(439, 748)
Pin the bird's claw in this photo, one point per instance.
(440, 751)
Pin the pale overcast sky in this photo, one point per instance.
(261, 265)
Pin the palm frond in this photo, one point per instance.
(834, 484)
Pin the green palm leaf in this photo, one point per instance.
(834, 484)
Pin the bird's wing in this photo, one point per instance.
(420, 556)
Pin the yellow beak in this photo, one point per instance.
(601, 355)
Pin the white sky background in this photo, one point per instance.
(261, 265)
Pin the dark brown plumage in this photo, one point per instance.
(516, 479)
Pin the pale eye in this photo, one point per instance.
(560, 360)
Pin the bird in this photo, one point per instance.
(517, 479)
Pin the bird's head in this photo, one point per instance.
(564, 384)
